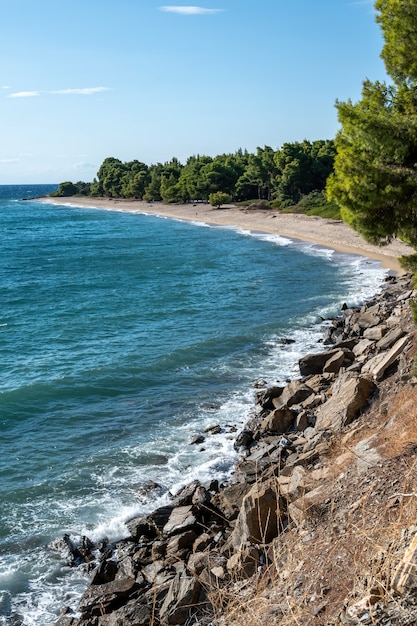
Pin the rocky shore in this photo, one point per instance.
(307, 454)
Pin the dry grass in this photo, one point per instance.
(346, 549)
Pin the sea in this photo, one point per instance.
(122, 337)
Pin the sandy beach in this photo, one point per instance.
(329, 233)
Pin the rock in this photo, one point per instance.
(100, 599)
(337, 361)
(278, 421)
(264, 398)
(181, 542)
(369, 318)
(261, 450)
(244, 563)
(197, 439)
(376, 333)
(297, 484)
(185, 496)
(308, 506)
(345, 404)
(243, 440)
(377, 366)
(315, 363)
(320, 382)
(259, 516)
(229, 500)
(105, 572)
(213, 430)
(301, 422)
(181, 519)
(294, 393)
(202, 542)
(260, 383)
(362, 348)
(133, 613)
(181, 599)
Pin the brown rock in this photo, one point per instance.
(314, 363)
(180, 600)
(99, 599)
(259, 517)
(294, 393)
(181, 518)
(229, 500)
(278, 421)
(350, 396)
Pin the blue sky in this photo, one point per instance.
(82, 80)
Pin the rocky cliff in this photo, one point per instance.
(316, 525)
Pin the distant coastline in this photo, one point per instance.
(324, 232)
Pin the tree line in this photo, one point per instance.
(285, 176)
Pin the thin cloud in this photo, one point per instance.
(85, 91)
(84, 166)
(24, 94)
(187, 10)
(9, 161)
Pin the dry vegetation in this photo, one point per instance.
(337, 565)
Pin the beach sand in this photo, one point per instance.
(325, 232)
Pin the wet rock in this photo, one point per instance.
(213, 430)
(244, 439)
(197, 439)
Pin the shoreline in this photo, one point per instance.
(328, 233)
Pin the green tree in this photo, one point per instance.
(66, 189)
(218, 198)
(375, 177)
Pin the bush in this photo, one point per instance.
(218, 198)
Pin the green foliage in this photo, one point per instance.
(316, 203)
(65, 190)
(398, 20)
(218, 198)
(375, 172)
(285, 175)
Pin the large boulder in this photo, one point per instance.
(316, 363)
(377, 366)
(100, 599)
(229, 500)
(260, 514)
(181, 600)
(294, 393)
(278, 421)
(182, 518)
(350, 396)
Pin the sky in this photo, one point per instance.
(83, 80)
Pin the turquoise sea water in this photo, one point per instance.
(122, 335)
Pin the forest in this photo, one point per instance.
(285, 177)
